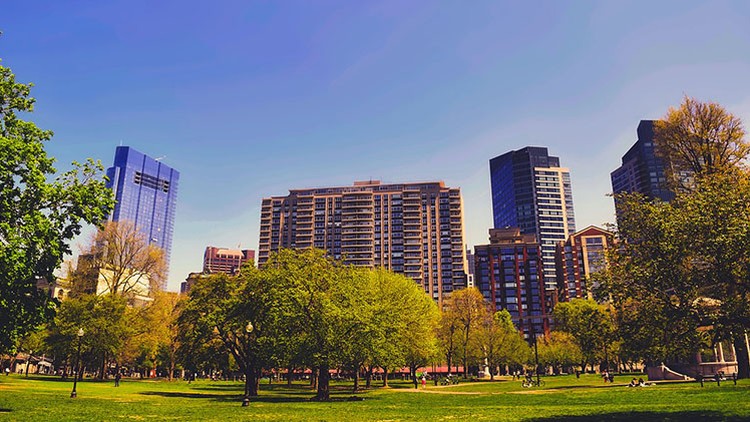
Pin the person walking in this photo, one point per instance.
(117, 379)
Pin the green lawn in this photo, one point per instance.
(563, 398)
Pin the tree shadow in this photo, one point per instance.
(289, 397)
(709, 415)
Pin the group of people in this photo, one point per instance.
(607, 376)
(638, 383)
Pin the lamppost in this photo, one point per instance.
(246, 400)
(73, 393)
(536, 360)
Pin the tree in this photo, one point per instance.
(119, 260)
(38, 218)
(499, 342)
(700, 139)
(589, 325)
(107, 322)
(467, 307)
(559, 350)
(160, 336)
(213, 315)
(684, 265)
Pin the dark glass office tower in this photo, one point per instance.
(146, 193)
(641, 170)
(532, 192)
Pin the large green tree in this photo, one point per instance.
(38, 217)
(499, 342)
(589, 324)
(465, 309)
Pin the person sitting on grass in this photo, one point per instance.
(641, 383)
(633, 383)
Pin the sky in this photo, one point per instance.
(248, 99)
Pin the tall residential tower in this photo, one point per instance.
(415, 229)
(532, 192)
(145, 192)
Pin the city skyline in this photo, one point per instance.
(419, 91)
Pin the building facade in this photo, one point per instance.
(532, 192)
(581, 255)
(415, 229)
(642, 170)
(222, 260)
(145, 191)
(509, 273)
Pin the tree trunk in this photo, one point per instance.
(289, 374)
(28, 361)
(103, 367)
(314, 378)
(253, 381)
(743, 360)
(368, 377)
(324, 377)
(356, 380)
(385, 377)
(413, 371)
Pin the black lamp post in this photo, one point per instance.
(536, 360)
(74, 394)
(246, 400)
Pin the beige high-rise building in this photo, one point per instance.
(411, 228)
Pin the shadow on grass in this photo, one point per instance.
(645, 416)
(5, 410)
(289, 397)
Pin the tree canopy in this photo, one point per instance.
(38, 217)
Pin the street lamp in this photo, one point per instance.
(73, 393)
(246, 400)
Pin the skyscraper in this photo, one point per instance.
(146, 194)
(532, 192)
(415, 229)
(641, 170)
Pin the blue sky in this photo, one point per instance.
(251, 98)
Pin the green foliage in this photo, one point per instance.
(589, 324)
(308, 310)
(107, 323)
(499, 343)
(685, 265)
(37, 218)
(559, 350)
(464, 311)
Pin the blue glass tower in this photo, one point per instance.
(146, 194)
(642, 170)
(532, 192)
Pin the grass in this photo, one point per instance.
(563, 398)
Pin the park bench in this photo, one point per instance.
(717, 378)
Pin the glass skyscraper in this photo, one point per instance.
(146, 194)
(532, 192)
(642, 170)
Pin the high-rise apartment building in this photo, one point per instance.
(222, 260)
(509, 274)
(581, 255)
(411, 228)
(145, 192)
(532, 192)
(642, 170)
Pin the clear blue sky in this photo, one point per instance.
(248, 99)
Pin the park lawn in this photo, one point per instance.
(562, 398)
